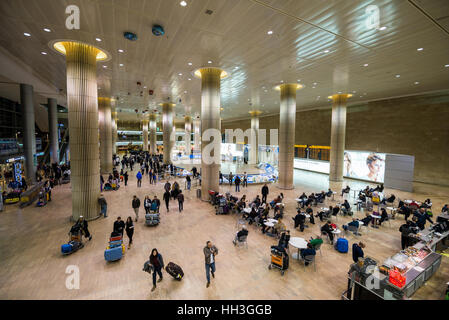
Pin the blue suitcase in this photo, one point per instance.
(117, 243)
(342, 245)
(66, 248)
(113, 254)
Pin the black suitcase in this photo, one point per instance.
(175, 271)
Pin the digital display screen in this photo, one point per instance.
(230, 150)
(364, 165)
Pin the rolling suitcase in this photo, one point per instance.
(66, 248)
(175, 271)
(342, 245)
(113, 254)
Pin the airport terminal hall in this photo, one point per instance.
(200, 150)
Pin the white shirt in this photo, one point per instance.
(212, 258)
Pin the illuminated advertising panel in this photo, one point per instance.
(364, 165)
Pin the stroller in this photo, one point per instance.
(279, 259)
(222, 207)
(75, 241)
(152, 219)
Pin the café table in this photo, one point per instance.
(376, 218)
(298, 243)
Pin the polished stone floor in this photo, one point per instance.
(32, 266)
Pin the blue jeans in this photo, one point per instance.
(104, 209)
(237, 188)
(189, 184)
(209, 267)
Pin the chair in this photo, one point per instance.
(353, 229)
(240, 222)
(241, 241)
(318, 248)
(309, 260)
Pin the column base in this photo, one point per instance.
(285, 188)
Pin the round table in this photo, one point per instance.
(272, 220)
(247, 210)
(269, 224)
(298, 243)
(336, 231)
(360, 223)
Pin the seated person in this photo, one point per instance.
(353, 223)
(279, 227)
(445, 209)
(327, 229)
(299, 220)
(320, 197)
(316, 241)
(278, 199)
(277, 213)
(346, 208)
(251, 216)
(284, 239)
(383, 216)
(405, 210)
(345, 190)
(309, 211)
(324, 213)
(362, 196)
(310, 251)
(390, 199)
(335, 210)
(427, 204)
(422, 216)
(256, 201)
(367, 219)
(329, 193)
(239, 234)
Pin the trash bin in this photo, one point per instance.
(198, 193)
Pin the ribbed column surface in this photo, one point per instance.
(338, 134)
(83, 129)
(196, 134)
(210, 119)
(167, 134)
(152, 129)
(29, 136)
(287, 118)
(145, 134)
(105, 125)
(254, 137)
(188, 134)
(53, 130)
(114, 131)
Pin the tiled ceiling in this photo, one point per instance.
(322, 44)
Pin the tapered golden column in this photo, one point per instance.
(254, 137)
(167, 128)
(210, 128)
(188, 134)
(114, 131)
(338, 135)
(145, 134)
(152, 129)
(287, 118)
(105, 126)
(83, 125)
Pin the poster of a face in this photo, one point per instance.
(229, 150)
(364, 165)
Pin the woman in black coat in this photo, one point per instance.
(129, 228)
(157, 264)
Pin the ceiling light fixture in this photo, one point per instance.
(270, 32)
(382, 28)
(446, 65)
(105, 67)
(121, 50)
(398, 76)
(366, 65)
(183, 3)
(420, 49)
(417, 82)
(121, 64)
(326, 51)
(179, 74)
(44, 53)
(98, 39)
(26, 34)
(189, 79)
(209, 61)
(47, 30)
(190, 63)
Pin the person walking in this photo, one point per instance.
(210, 251)
(189, 182)
(180, 201)
(82, 223)
(129, 227)
(264, 193)
(154, 176)
(231, 176)
(103, 205)
(119, 226)
(136, 206)
(150, 176)
(220, 177)
(147, 204)
(237, 183)
(245, 179)
(157, 264)
(166, 198)
(139, 179)
(125, 177)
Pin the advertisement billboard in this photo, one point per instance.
(364, 165)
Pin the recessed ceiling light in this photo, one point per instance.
(313, 87)
(98, 39)
(26, 34)
(183, 3)
(314, 83)
(179, 74)
(398, 76)
(282, 81)
(420, 49)
(270, 32)
(44, 53)
(185, 91)
(47, 30)
(121, 50)
(446, 65)
(105, 67)
(190, 79)
(366, 65)
(299, 80)
(326, 51)
(209, 61)
(416, 82)
(354, 91)
(144, 87)
(190, 63)
(121, 64)
(382, 28)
